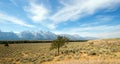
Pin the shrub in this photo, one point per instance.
(6, 44)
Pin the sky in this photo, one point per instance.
(93, 18)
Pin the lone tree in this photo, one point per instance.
(59, 42)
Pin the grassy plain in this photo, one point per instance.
(106, 51)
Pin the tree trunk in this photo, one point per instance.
(58, 48)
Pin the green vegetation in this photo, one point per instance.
(59, 42)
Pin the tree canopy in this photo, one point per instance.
(59, 42)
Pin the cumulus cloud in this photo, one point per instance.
(76, 9)
(14, 20)
(36, 12)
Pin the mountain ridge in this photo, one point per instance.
(38, 35)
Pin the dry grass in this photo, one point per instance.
(91, 52)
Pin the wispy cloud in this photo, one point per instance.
(71, 11)
(99, 20)
(83, 17)
(112, 34)
(39, 14)
(14, 20)
(90, 31)
(36, 12)
(13, 1)
(76, 9)
(101, 28)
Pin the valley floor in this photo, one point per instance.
(91, 52)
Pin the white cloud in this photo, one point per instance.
(97, 28)
(51, 26)
(36, 12)
(113, 34)
(94, 31)
(39, 14)
(14, 20)
(74, 9)
(98, 20)
(71, 10)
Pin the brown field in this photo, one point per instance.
(106, 51)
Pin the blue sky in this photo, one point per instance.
(95, 18)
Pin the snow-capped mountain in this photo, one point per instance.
(39, 35)
(8, 36)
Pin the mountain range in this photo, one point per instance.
(39, 35)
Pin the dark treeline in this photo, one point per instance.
(23, 41)
(78, 40)
(33, 41)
